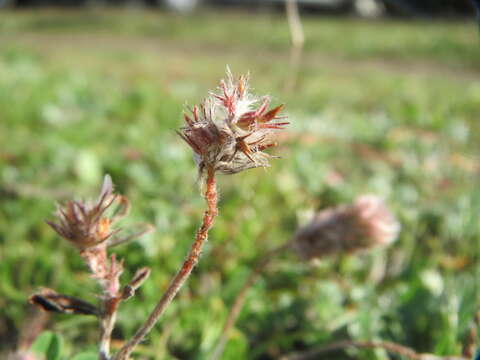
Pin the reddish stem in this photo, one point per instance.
(183, 273)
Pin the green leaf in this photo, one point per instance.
(86, 356)
(49, 345)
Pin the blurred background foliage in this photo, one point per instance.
(384, 107)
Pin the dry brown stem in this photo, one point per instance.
(391, 347)
(298, 39)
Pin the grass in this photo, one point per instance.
(385, 107)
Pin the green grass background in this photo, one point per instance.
(386, 107)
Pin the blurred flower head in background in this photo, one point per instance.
(230, 130)
(346, 229)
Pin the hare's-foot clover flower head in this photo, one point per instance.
(84, 224)
(230, 130)
(346, 229)
(89, 229)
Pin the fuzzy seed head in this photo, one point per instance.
(230, 130)
(347, 229)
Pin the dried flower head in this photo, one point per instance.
(230, 129)
(365, 224)
(84, 223)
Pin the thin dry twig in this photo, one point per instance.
(241, 297)
(183, 273)
(298, 39)
(387, 345)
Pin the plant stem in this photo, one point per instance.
(107, 322)
(111, 301)
(387, 345)
(183, 273)
(298, 39)
(241, 297)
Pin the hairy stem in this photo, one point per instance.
(111, 301)
(241, 297)
(183, 273)
(391, 347)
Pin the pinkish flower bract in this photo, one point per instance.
(347, 229)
